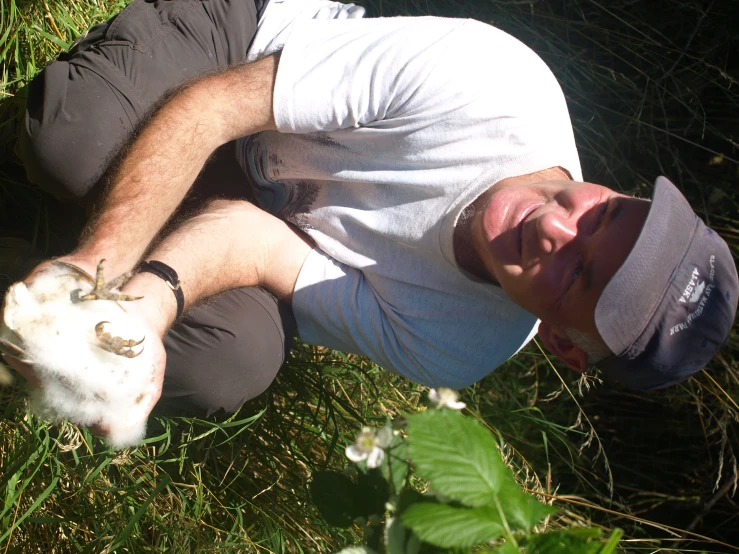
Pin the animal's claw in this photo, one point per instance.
(102, 290)
(132, 354)
(78, 270)
(116, 345)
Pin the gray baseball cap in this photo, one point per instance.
(671, 305)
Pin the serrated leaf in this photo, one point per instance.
(446, 526)
(409, 497)
(458, 455)
(522, 510)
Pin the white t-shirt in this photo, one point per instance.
(388, 128)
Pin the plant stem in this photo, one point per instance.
(508, 534)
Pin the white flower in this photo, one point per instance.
(369, 446)
(446, 398)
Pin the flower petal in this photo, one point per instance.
(384, 436)
(354, 453)
(457, 405)
(375, 457)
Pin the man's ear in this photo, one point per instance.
(559, 344)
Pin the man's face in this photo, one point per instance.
(553, 246)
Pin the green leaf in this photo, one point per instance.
(585, 532)
(447, 526)
(413, 546)
(564, 542)
(29, 511)
(396, 471)
(522, 510)
(613, 541)
(394, 536)
(409, 497)
(129, 528)
(335, 496)
(458, 455)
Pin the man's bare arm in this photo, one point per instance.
(230, 244)
(162, 163)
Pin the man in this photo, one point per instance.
(443, 199)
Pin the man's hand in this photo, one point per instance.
(149, 314)
(137, 417)
(24, 370)
(230, 244)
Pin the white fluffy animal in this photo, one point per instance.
(68, 326)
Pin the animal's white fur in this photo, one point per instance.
(81, 381)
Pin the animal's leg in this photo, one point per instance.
(103, 290)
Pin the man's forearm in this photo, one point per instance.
(162, 163)
(230, 244)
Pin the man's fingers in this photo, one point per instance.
(152, 395)
(99, 430)
(36, 271)
(25, 370)
(82, 266)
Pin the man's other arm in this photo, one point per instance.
(161, 164)
(230, 244)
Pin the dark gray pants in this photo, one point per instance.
(85, 105)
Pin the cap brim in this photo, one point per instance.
(635, 291)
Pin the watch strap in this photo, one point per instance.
(169, 276)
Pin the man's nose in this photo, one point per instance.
(556, 229)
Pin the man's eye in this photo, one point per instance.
(578, 270)
(579, 266)
(602, 211)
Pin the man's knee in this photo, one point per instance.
(73, 125)
(219, 382)
(225, 353)
(83, 107)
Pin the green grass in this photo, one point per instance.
(653, 90)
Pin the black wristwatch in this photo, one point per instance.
(169, 276)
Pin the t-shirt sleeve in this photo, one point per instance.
(280, 15)
(353, 73)
(336, 306)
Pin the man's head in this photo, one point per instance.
(608, 272)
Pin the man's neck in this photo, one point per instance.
(467, 256)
